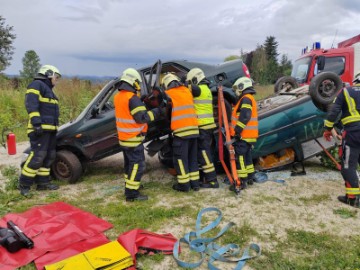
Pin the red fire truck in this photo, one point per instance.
(344, 61)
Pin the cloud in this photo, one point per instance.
(93, 37)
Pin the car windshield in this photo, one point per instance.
(301, 69)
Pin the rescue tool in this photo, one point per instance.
(224, 125)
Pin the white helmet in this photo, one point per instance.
(168, 78)
(357, 77)
(195, 76)
(132, 77)
(49, 71)
(241, 84)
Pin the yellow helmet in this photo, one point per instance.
(168, 78)
(241, 84)
(357, 77)
(49, 71)
(132, 77)
(195, 76)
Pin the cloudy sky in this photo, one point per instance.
(103, 37)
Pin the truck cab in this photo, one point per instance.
(344, 61)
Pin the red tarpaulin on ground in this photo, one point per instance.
(53, 227)
(142, 241)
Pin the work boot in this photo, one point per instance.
(24, 190)
(47, 186)
(243, 184)
(139, 197)
(195, 185)
(181, 187)
(350, 201)
(210, 184)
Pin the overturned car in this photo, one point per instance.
(289, 122)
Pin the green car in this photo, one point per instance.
(289, 122)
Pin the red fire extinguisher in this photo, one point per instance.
(10, 142)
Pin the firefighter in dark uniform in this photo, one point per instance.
(203, 102)
(131, 123)
(184, 126)
(42, 106)
(347, 103)
(244, 129)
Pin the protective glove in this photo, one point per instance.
(327, 135)
(38, 131)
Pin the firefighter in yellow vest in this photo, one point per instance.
(131, 123)
(347, 104)
(203, 102)
(184, 126)
(244, 129)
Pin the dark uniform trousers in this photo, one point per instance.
(42, 155)
(205, 157)
(243, 159)
(134, 165)
(185, 162)
(350, 160)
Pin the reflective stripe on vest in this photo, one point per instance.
(129, 132)
(183, 116)
(354, 114)
(204, 108)
(250, 131)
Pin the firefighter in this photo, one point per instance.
(203, 102)
(184, 126)
(131, 123)
(42, 106)
(244, 129)
(347, 103)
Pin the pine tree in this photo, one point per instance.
(31, 64)
(6, 41)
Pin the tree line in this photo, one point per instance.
(263, 63)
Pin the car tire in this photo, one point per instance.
(66, 167)
(285, 84)
(323, 89)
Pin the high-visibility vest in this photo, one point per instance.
(130, 133)
(250, 132)
(183, 115)
(204, 108)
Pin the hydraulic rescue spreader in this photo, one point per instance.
(224, 131)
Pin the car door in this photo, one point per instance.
(99, 128)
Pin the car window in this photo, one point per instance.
(107, 104)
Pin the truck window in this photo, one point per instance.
(335, 64)
(300, 69)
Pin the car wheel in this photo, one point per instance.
(324, 88)
(285, 84)
(66, 167)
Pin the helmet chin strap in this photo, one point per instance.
(238, 92)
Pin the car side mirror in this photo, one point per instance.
(94, 111)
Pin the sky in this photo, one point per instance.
(104, 37)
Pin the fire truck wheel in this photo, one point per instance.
(323, 89)
(285, 84)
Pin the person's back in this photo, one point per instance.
(185, 129)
